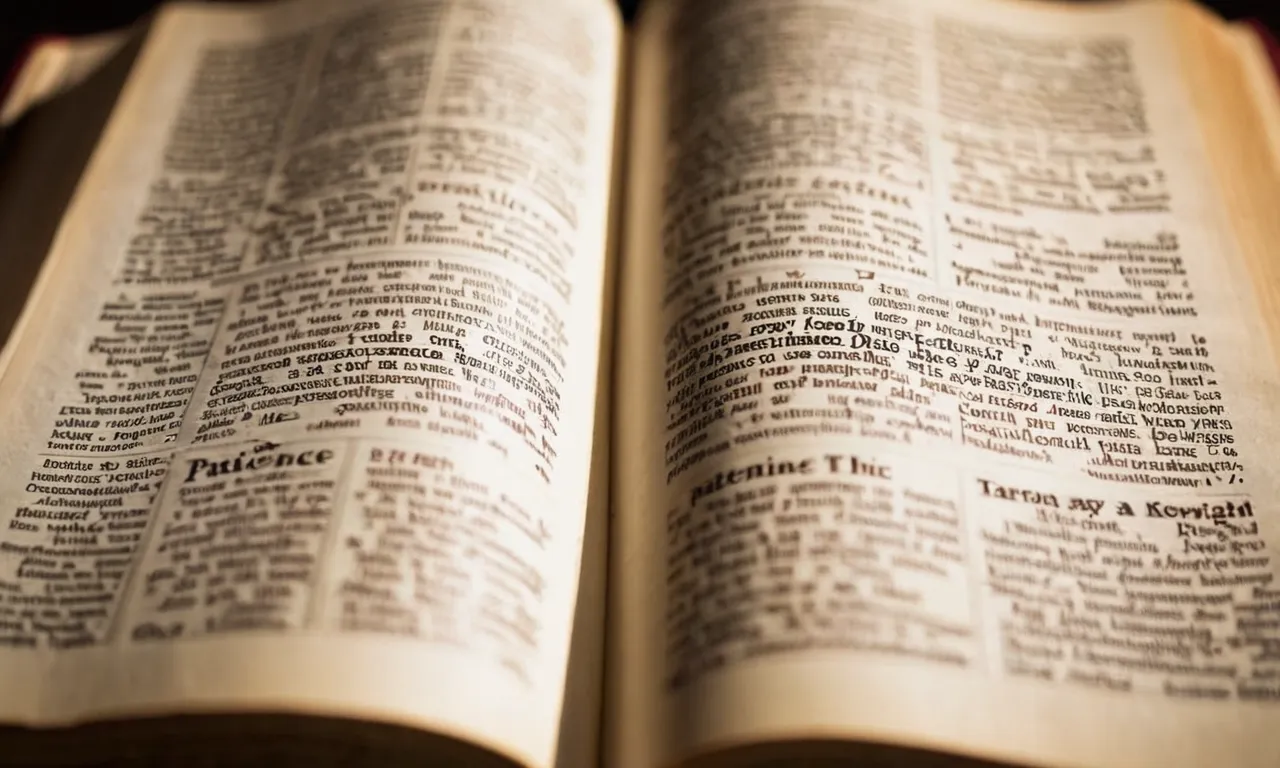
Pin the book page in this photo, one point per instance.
(300, 416)
(1239, 125)
(948, 400)
(43, 156)
(1263, 82)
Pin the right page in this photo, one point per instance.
(947, 388)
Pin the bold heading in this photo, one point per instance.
(245, 461)
(836, 464)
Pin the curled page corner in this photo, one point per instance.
(51, 65)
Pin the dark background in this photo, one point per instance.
(20, 20)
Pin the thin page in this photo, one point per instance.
(300, 417)
(1263, 82)
(949, 404)
(55, 66)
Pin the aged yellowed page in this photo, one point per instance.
(300, 416)
(1241, 130)
(947, 401)
(1263, 88)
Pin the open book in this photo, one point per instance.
(931, 413)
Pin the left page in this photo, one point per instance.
(299, 417)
